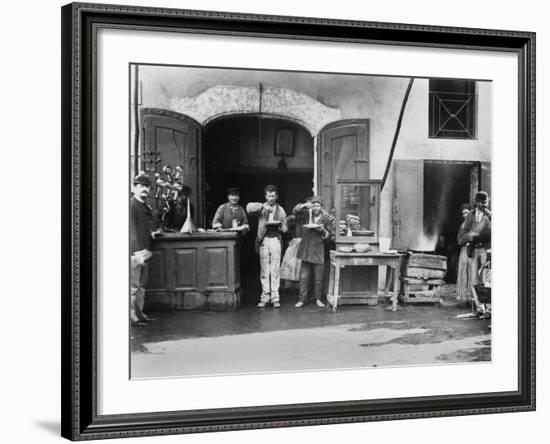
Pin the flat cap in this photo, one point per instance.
(482, 196)
(270, 188)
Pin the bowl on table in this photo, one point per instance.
(361, 247)
(345, 249)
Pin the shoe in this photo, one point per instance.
(262, 304)
(299, 304)
(319, 303)
(276, 304)
(139, 323)
(147, 319)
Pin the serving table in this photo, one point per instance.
(340, 260)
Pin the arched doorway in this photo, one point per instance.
(250, 152)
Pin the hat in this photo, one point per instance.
(270, 188)
(143, 179)
(233, 190)
(482, 196)
(317, 199)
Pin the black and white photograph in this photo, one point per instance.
(295, 221)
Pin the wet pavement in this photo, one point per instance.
(253, 340)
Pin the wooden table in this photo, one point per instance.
(339, 260)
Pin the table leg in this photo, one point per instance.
(395, 286)
(330, 295)
(389, 278)
(336, 286)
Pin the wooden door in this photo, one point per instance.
(177, 138)
(344, 153)
(408, 203)
(485, 179)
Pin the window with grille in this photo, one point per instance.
(452, 109)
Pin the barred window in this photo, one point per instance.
(452, 109)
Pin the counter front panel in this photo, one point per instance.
(198, 271)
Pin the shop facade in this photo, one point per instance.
(302, 131)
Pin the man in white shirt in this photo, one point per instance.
(271, 225)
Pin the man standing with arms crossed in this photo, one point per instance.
(271, 224)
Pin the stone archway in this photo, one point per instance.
(285, 103)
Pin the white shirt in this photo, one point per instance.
(479, 215)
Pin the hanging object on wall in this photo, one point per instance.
(284, 143)
(150, 161)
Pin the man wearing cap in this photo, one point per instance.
(271, 224)
(311, 251)
(476, 233)
(175, 217)
(231, 214)
(141, 233)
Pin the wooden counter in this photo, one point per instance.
(199, 271)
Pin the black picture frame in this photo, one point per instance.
(284, 142)
(79, 205)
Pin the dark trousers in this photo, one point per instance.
(306, 270)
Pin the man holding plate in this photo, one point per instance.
(271, 224)
(311, 251)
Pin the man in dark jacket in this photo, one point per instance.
(476, 234)
(311, 251)
(141, 233)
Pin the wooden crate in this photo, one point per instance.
(421, 278)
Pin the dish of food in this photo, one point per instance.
(345, 249)
(312, 226)
(361, 248)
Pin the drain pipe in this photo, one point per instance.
(397, 129)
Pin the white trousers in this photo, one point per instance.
(270, 269)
